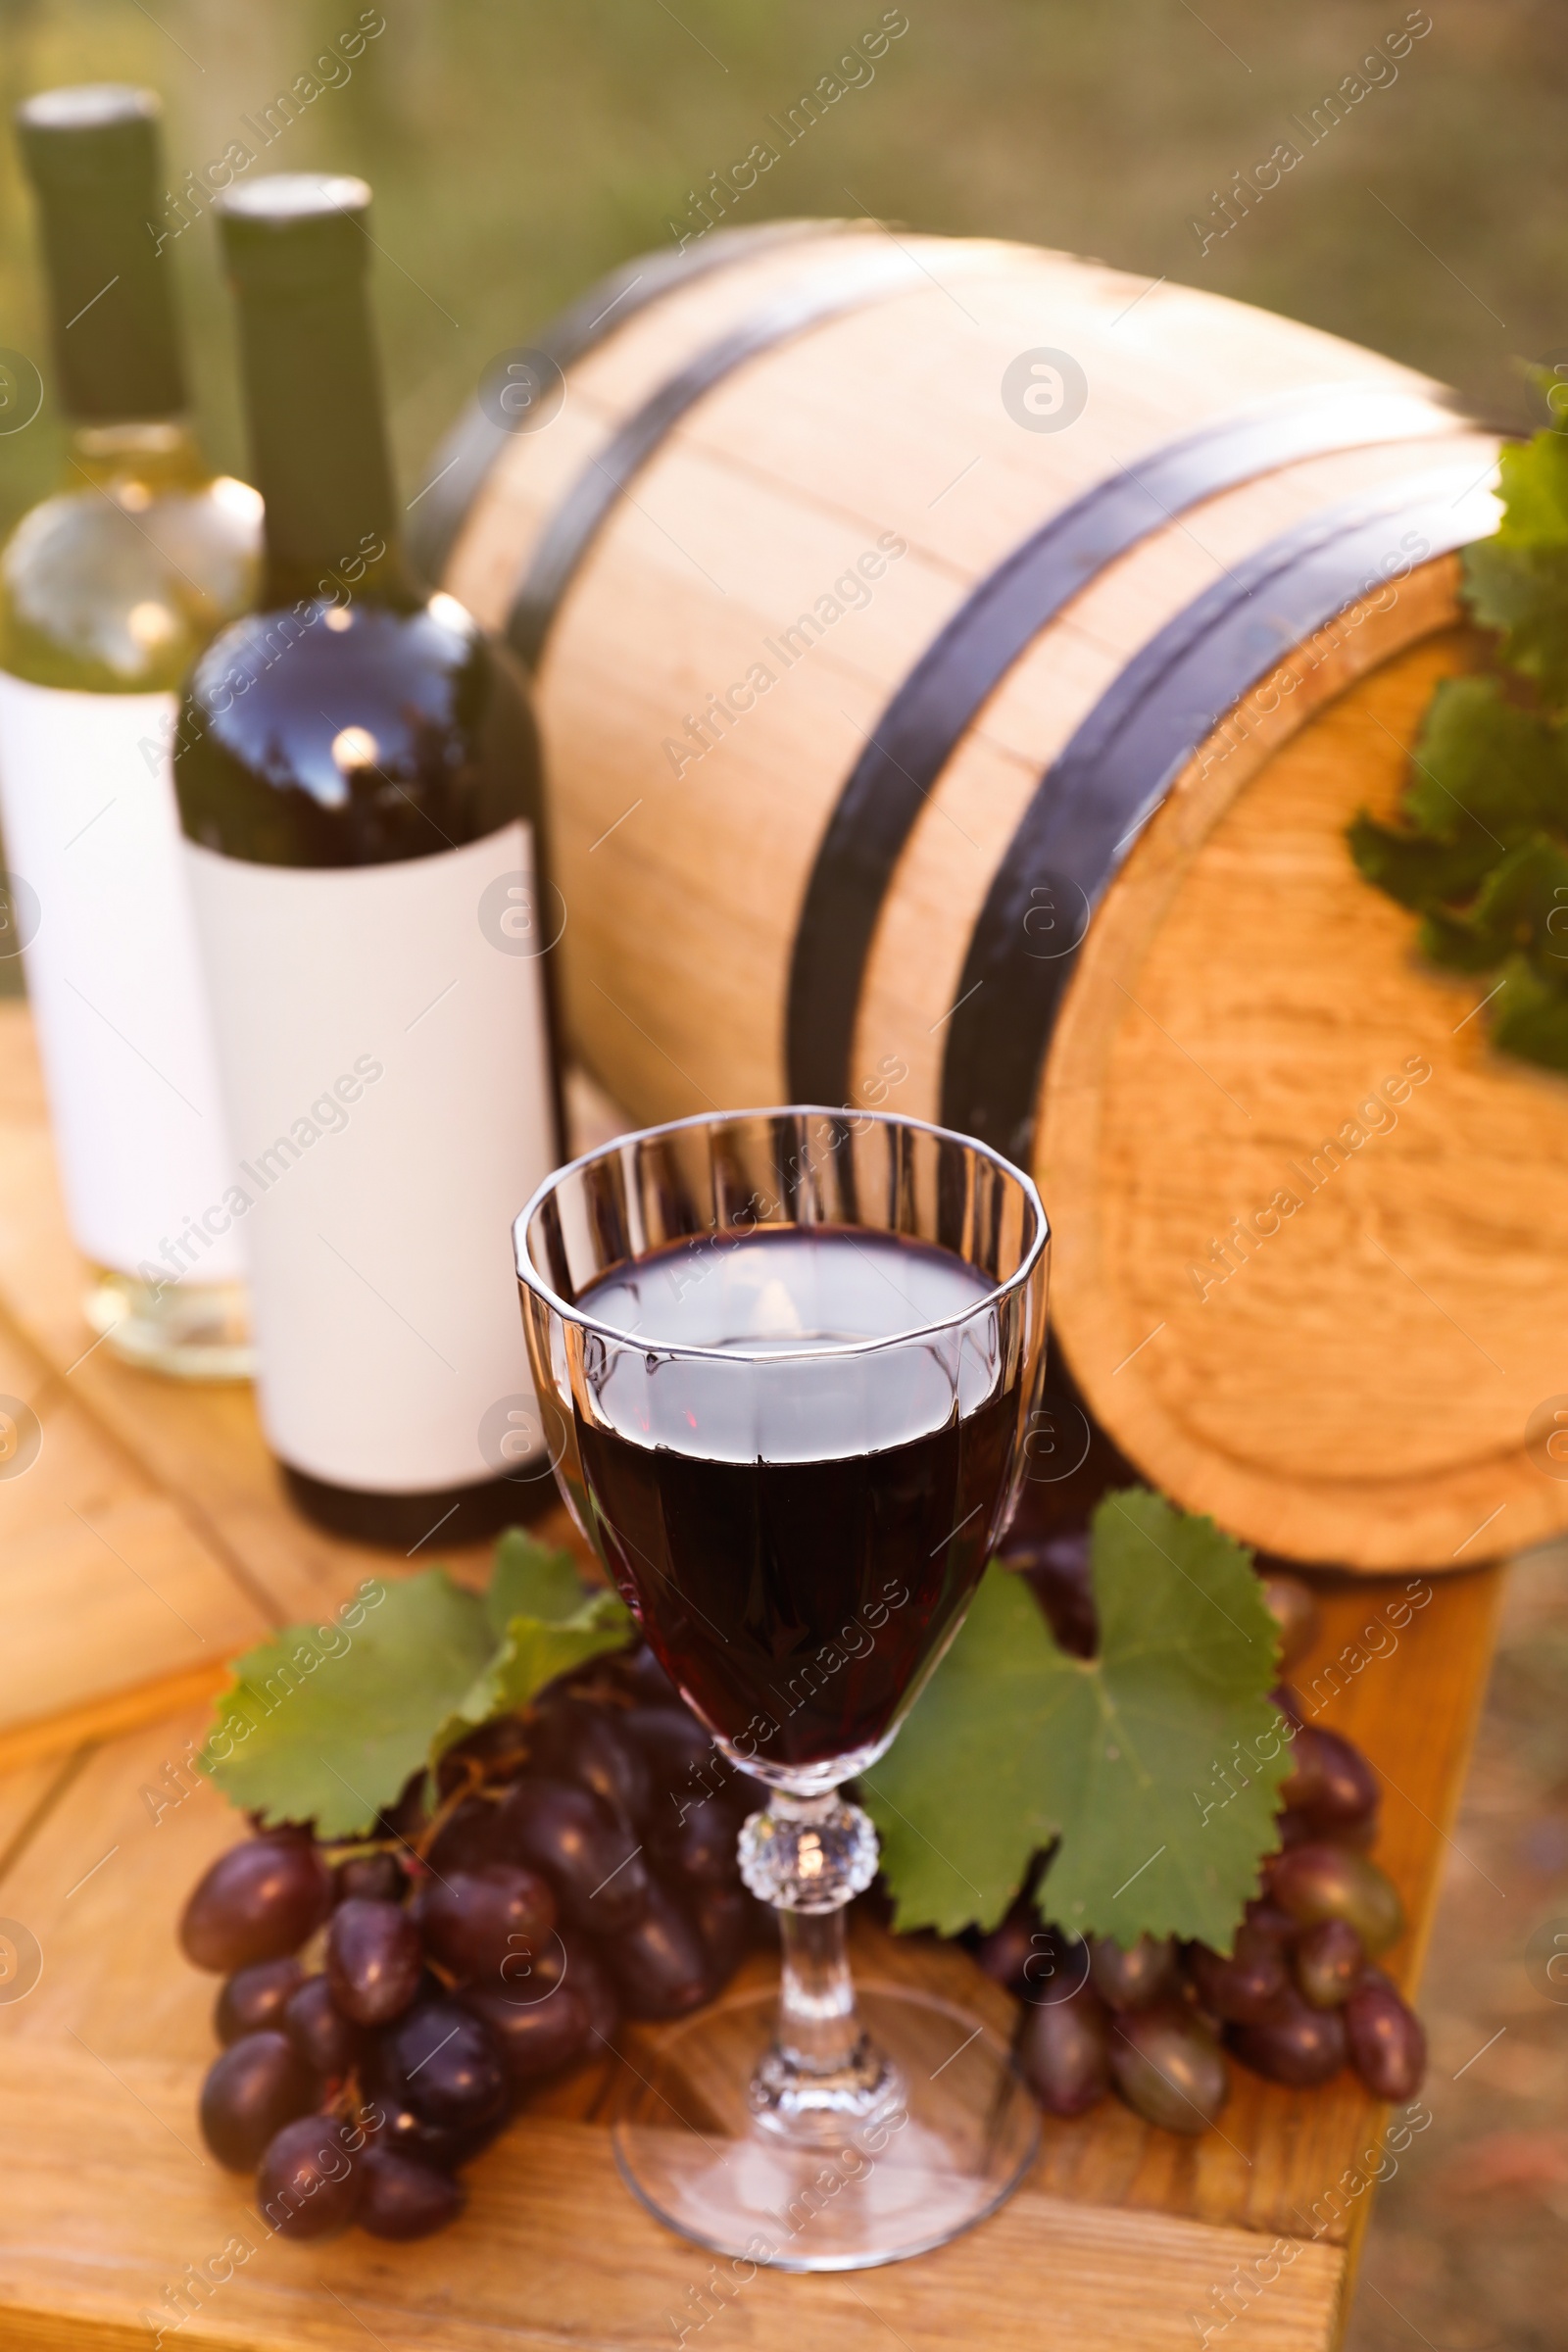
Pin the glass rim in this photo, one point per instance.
(529, 1275)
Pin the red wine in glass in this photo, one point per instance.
(799, 1556)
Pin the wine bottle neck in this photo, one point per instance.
(376, 573)
(93, 156)
(157, 453)
(319, 436)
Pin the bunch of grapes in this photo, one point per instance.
(386, 2001)
(1299, 1997)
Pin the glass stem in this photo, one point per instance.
(809, 1856)
(818, 2029)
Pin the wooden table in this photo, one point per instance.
(148, 1542)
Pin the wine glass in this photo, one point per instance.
(786, 1361)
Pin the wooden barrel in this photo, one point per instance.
(958, 664)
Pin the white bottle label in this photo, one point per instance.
(92, 837)
(385, 1057)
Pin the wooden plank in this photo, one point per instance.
(97, 2241)
(27, 1792)
(1124, 2237)
(45, 1739)
(109, 1596)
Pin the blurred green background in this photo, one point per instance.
(518, 149)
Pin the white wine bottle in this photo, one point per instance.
(359, 782)
(108, 590)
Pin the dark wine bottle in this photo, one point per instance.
(109, 589)
(359, 782)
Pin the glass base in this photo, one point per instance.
(935, 2130)
(188, 1331)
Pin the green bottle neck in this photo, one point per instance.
(318, 440)
(112, 305)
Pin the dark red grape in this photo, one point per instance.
(1305, 1829)
(373, 1960)
(699, 1850)
(258, 1901)
(1167, 2067)
(1127, 1979)
(324, 2036)
(1006, 1952)
(1242, 1989)
(442, 2060)
(310, 2180)
(1057, 1964)
(253, 1999)
(723, 1919)
(253, 2088)
(1270, 1920)
(1294, 2043)
(573, 1740)
(659, 1962)
(1388, 2045)
(1287, 1699)
(379, 1878)
(588, 1856)
(442, 2145)
(1329, 1881)
(1328, 1961)
(467, 1841)
(573, 1955)
(682, 1753)
(403, 1820)
(1331, 1782)
(535, 2036)
(475, 1923)
(1064, 2052)
(500, 1746)
(586, 1969)
(403, 2199)
(641, 1673)
(1293, 1608)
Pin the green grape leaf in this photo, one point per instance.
(965, 1797)
(1533, 475)
(1459, 945)
(1531, 1018)
(1418, 872)
(1482, 852)
(1525, 896)
(327, 1723)
(533, 1652)
(529, 1581)
(1156, 1764)
(1484, 771)
(1517, 582)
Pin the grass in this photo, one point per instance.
(518, 149)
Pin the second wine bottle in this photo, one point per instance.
(359, 781)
